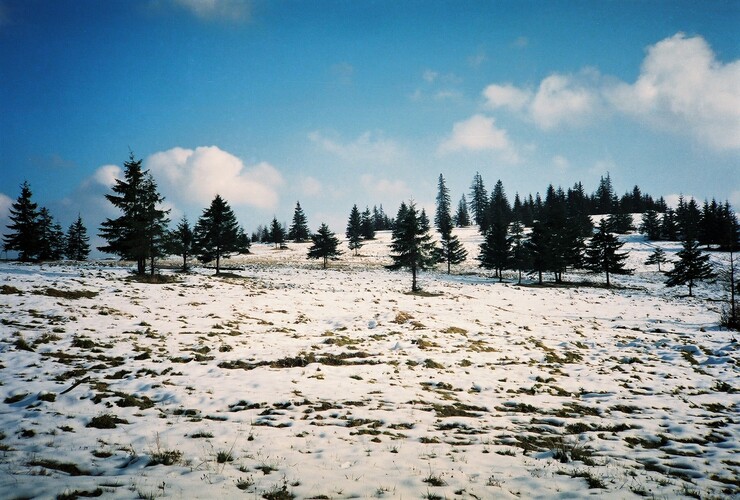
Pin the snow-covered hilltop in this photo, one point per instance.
(281, 380)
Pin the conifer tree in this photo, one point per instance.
(452, 251)
(181, 241)
(325, 245)
(495, 251)
(650, 225)
(412, 246)
(462, 217)
(538, 250)
(50, 237)
(669, 226)
(24, 221)
(299, 231)
(691, 267)
(77, 242)
(602, 253)
(138, 234)
(620, 221)
(277, 233)
(479, 202)
(217, 234)
(367, 225)
(519, 255)
(657, 256)
(605, 199)
(354, 229)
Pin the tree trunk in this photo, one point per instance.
(413, 279)
(218, 263)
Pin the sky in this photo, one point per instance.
(335, 103)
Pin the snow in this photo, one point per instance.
(338, 383)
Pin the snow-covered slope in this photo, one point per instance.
(281, 378)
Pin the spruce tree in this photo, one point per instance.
(354, 229)
(479, 202)
(277, 233)
(495, 251)
(691, 267)
(452, 251)
(24, 226)
(139, 233)
(462, 217)
(50, 237)
(602, 253)
(538, 250)
(605, 199)
(367, 225)
(77, 242)
(181, 241)
(669, 226)
(650, 225)
(325, 245)
(412, 246)
(657, 256)
(519, 255)
(217, 234)
(299, 231)
(620, 221)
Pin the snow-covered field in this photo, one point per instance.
(283, 379)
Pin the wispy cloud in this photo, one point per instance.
(188, 176)
(368, 147)
(227, 10)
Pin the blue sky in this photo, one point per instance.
(341, 102)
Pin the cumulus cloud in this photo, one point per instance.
(197, 175)
(229, 10)
(5, 203)
(368, 147)
(684, 88)
(478, 133)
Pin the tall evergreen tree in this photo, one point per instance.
(499, 210)
(605, 199)
(620, 221)
(180, 241)
(452, 251)
(650, 225)
(354, 229)
(367, 225)
(538, 249)
(657, 256)
(495, 251)
(77, 242)
(519, 256)
(277, 233)
(669, 226)
(217, 234)
(691, 267)
(479, 202)
(462, 217)
(299, 231)
(24, 226)
(602, 253)
(412, 246)
(325, 245)
(50, 237)
(138, 234)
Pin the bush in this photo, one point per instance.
(729, 320)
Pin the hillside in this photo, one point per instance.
(280, 378)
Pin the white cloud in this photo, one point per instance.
(478, 133)
(384, 187)
(196, 176)
(672, 200)
(5, 203)
(230, 10)
(507, 96)
(561, 162)
(475, 61)
(310, 186)
(563, 99)
(429, 76)
(368, 147)
(682, 87)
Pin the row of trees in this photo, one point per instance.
(36, 236)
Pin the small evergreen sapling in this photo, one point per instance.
(325, 245)
(354, 229)
(299, 231)
(658, 257)
(412, 246)
(77, 242)
(691, 267)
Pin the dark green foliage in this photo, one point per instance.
(77, 242)
(299, 231)
(650, 225)
(605, 200)
(451, 251)
(462, 217)
(495, 251)
(367, 225)
(620, 221)
(412, 246)
(325, 245)
(602, 253)
(50, 237)
(657, 256)
(688, 219)
(479, 202)
(691, 267)
(23, 236)
(139, 234)
(277, 233)
(217, 234)
(519, 255)
(354, 229)
(180, 241)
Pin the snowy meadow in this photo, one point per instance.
(278, 379)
